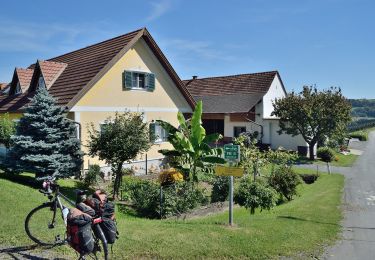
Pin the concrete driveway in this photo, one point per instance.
(359, 207)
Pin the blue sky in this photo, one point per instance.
(322, 42)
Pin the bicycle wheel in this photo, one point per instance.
(45, 225)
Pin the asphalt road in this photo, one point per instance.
(358, 240)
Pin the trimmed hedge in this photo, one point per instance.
(361, 135)
(326, 154)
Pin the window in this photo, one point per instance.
(103, 127)
(18, 89)
(138, 80)
(238, 130)
(157, 133)
(41, 83)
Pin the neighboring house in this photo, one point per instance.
(243, 103)
(128, 72)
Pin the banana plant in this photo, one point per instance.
(191, 145)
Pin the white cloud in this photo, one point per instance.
(31, 37)
(159, 9)
(197, 49)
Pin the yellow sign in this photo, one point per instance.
(229, 171)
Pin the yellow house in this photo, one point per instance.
(128, 72)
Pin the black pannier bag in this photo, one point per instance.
(79, 231)
(106, 210)
(86, 209)
(109, 225)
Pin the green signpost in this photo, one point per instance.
(231, 154)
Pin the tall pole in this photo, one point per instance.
(231, 200)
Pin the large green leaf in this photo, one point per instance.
(184, 142)
(181, 120)
(168, 127)
(211, 138)
(197, 131)
(213, 159)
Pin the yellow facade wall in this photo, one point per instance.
(107, 96)
(12, 116)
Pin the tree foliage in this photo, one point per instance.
(314, 114)
(252, 159)
(7, 129)
(120, 140)
(285, 181)
(45, 141)
(255, 194)
(192, 145)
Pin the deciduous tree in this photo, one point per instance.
(7, 129)
(119, 140)
(313, 114)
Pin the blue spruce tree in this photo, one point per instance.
(45, 142)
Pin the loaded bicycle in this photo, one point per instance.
(47, 224)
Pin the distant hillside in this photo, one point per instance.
(363, 107)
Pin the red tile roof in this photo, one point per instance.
(234, 84)
(231, 94)
(51, 71)
(85, 66)
(24, 76)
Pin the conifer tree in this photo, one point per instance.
(45, 142)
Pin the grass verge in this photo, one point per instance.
(342, 160)
(300, 227)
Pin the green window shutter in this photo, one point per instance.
(126, 80)
(152, 130)
(151, 82)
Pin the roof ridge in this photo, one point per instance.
(235, 75)
(101, 42)
(50, 61)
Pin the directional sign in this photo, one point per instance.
(232, 152)
(229, 171)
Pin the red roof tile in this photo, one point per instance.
(85, 65)
(51, 71)
(234, 84)
(230, 94)
(24, 76)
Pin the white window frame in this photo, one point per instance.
(164, 134)
(135, 79)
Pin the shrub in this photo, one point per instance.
(309, 178)
(145, 196)
(285, 181)
(170, 176)
(128, 184)
(326, 154)
(92, 176)
(220, 189)
(180, 198)
(176, 199)
(361, 135)
(255, 194)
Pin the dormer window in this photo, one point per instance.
(41, 83)
(18, 89)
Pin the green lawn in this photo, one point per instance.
(301, 227)
(343, 160)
